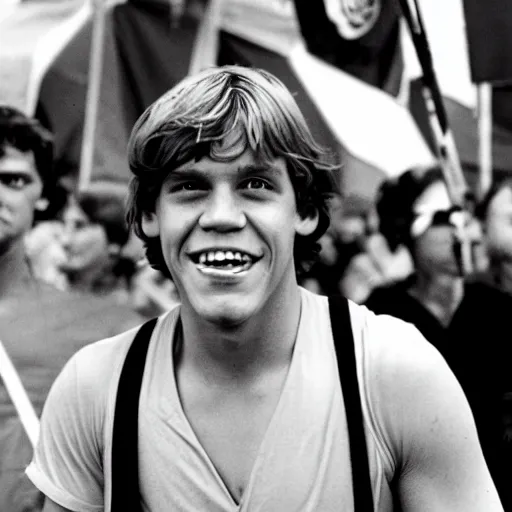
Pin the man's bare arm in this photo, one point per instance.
(440, 464)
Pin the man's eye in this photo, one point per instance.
(257, 184)
(187, 186)
(14, 182)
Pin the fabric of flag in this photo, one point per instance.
(489, 37)
(32, 33)
(361, 38)
(143, 56)
(489, 33)
(375, 135)
(145, 53)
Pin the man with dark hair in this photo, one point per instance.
(241, 406)
(468, 322)
(40, 326)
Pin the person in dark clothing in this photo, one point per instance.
(467, 322)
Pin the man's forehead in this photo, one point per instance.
(14, 160)
(246, 162)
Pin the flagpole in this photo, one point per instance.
(206, 43)
(438, 118)
(447, 151)
(484, 138)
(93, 94)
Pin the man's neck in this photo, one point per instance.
(246, 352)
(440, 294)
(13, 268)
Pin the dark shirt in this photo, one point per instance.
(477, 346)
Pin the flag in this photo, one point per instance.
(451, 44)
(144, 54)
(360, 38)
(489, 37)
(351, 110)
(489, 33)
(355, 114)
(31, 35)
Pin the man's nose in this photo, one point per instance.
(222, 211)
(66, 235)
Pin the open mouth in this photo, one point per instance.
(228, 261)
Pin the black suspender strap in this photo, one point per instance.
(345, 353)
(125, 437)
(125, 460)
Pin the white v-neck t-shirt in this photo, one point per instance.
(303, 463)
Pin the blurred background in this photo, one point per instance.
(88, 69)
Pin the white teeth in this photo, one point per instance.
(230, 258)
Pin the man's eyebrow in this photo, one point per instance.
(188, 172)
(15, 172)
(259, 168)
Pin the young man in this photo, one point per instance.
(241, 406)
(468, 322)
(40, 326)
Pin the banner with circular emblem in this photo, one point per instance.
(353, 18)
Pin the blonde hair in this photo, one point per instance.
(219, 113)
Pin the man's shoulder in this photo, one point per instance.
(392, 346)
(382, 339)
(397, 366)
(97, 361)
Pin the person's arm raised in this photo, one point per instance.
(439, 463)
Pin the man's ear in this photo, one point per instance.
(306, 224)
(150, 225)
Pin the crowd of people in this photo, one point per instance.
(231, 202)
(407, 263)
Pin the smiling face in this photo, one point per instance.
(20, 188)
(227, 232)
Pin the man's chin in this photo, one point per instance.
(226, 315)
